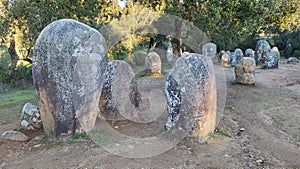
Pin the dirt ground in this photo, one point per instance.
(263, 120)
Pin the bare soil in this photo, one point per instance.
(263, 120)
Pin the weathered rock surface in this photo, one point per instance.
(30, 116)
(191, 96)
(170, 55)
(272, 60)
(245, 71)
(210, 50)
(237, 57)
(138, 58)
(152, 63)
(262, 49)
(249, 53)
(293, 60)
(14, 135)
(120, 97)
(225, 58)
(69, 61)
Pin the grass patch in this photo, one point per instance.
(96, 136)
(79, 135)
(11, 103)
(222, 132)
(17, 96)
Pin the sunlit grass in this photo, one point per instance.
(11, 103)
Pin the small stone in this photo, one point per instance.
(242, 129)
(35, 120)
(24, 123)
(38, 145)
(259, 161)
(30, 127)
(14, 136)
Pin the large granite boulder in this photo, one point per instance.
(69, 61)
(262, 49)
(245, 71)
(237, 57)
(152, 63)
(191, 96)
(210, 50)
(120, 97)
(272, 59)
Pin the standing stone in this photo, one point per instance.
(69, 61)
(191, 96)
(120, 97)
(210, 50)
(225, 58)
(245, 71)
(138, 58)
(288, 50)
(262, 49)
(170, 55)
(237, 57)
(272, 60)
(249, 53)
(152, 64)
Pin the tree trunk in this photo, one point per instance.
(13, 56)
(176, 39)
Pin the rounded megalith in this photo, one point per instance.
(225, 58)
(262, 49)
(210, 50)
(245, 71)
(272, 59)
(170, 55)
(190, 92)
(249, 53)
(120, 97)
(152, 63)
(237, 57)
(69, 61)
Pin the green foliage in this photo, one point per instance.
(11, 103)
(17, 96)
(79, 135)
(222, 132)
(71, 141)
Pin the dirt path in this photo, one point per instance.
(264, 121)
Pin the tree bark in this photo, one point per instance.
(13, 56)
